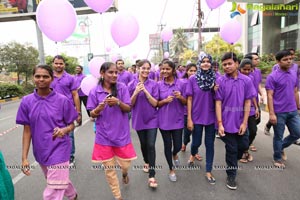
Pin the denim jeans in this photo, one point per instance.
(71, 134)
(292, 121)
(186, 132)
(209, 143)
(235, 146)
(147, 140)
(169, 137)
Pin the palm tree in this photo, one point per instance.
(178, 44)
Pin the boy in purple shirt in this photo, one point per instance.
(233, 101)
(283, 102)
(109, 103)
(123, 75)
(144, 95)
(48, 118)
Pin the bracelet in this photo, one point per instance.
(79, 113)
(220, 122)
(148, 97)
(118, 103)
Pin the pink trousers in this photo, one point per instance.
(58, 182)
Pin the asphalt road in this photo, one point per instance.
(255, 180)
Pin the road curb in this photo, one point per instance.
(10, 99)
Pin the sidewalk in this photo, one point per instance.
(10, 99)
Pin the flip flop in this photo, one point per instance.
(252, 148)
(152, 183)
(198, 157)
(125, 178)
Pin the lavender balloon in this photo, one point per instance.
(213, 4)
(231, 31)
(99, 6)
(56, 19)
(124, 29)
(166, 54)
(88, 83)
(95, 65)
(166, 34)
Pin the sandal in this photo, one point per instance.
(211, 180)
(146, 168)
(198, 157)
(244, 158)
(252, 148)
(125, 178)
(152, 183)
(250, 157)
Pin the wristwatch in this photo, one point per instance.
(118, 103)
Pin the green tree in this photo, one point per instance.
(178, 44)
(70, 62)
(188, 55)
(217, 47)
(19, 58)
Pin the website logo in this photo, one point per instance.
(236, 9)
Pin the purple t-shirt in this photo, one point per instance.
(144, 115)
(112, 125)
(257, 78)
(233, 93)
(283, 84)
(43, 115)
(218, 74)
(151, 75)
(203, 104)
(294, 68)
(125, 77)
(252, 108)
(180, 74)
(65, 85)
(78, 79)
(171, 115)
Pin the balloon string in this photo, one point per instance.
(218, 45)
(56, 45)
(102, 23)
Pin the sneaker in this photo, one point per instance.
(267, 131)
(172, 177)
(279, 164)
(283, 156)
(218, 136)
(72, 161)
(231, 183)
(176, 163)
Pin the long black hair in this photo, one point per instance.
(188, 67)
(104, 67)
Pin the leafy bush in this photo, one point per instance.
(10, 90)
(28, 88)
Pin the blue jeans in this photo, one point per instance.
(71, 134)
(169, 137)
(147, 140)
(292, 121)
(209, 143)
(235, 146)
(186, 133)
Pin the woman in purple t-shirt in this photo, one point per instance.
(48, 117)
(201, 112)
(171, 114)
(144, 95)
(109, 102)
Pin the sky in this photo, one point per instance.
(149, 14)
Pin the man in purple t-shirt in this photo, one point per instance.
(79, 76)
(283, 102)
(233, 101)
(123, 75)
(64, 83)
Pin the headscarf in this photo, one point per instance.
(205, 78)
